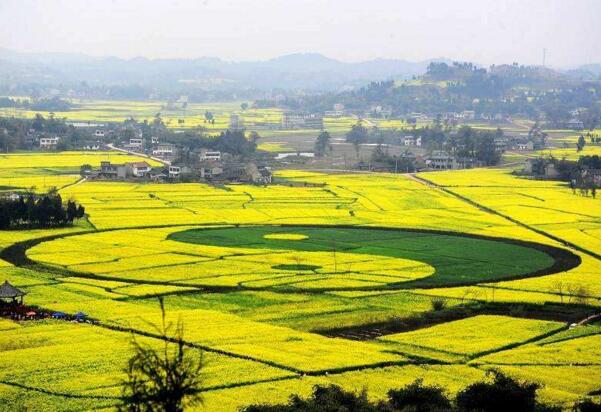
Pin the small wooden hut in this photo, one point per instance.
(10, 294)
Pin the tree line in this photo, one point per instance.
(500, 393)
(32, 211)
(582, 174)
(53, 104)
(15, 134)
(465, 143)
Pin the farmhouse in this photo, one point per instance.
(206, 155)
(468, 115)
(295, 120)
(441, 160)
(49, 142)
(337, 111)
(210, 171)
(412, 141)
(123, 171)
(541, 167)
(500, 144)
(135, 143)
(575, 124)
(139, 169)
(165, 151)
(524, 145)
(176, 171)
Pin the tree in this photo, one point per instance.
(81, 211)
(417, 397)
(322, 144)
(71, 211)
(209, 116)
(486, 151)
(164, 378)
(85, 169)
(559, 288)
(581, 143)
(357, 135)
(254, 137)
(500, 395)
(578, 294)
(244, 106)
(234, 142)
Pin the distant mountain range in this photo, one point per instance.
(307, 71)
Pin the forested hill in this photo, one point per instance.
(505, 90)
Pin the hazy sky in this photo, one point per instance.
(484, 31)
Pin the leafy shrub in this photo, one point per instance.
(417, 398)
(502, 394)
(439, 304)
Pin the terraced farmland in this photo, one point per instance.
(367, 280)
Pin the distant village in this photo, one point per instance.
(181, 161)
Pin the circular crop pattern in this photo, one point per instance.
(383, 257)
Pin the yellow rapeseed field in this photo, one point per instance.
(278, 311)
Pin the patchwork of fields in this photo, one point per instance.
(330, 279)
(192, 116)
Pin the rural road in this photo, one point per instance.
(118, 149)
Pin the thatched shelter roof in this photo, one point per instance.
(8, 291)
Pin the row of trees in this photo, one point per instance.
(38, 211)
(502, 393)
(53, 104)
(582, 175)
(470, 143)
(464, 143)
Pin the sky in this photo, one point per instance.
(480, 31)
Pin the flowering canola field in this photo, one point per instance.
(334, 280)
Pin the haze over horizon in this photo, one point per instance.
(484, 31)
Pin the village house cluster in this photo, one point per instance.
(206, 165)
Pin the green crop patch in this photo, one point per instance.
(455, 259)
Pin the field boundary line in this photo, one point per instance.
(298, 372)
(517, 344)
(60, 394)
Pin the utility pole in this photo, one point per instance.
(544, 56)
